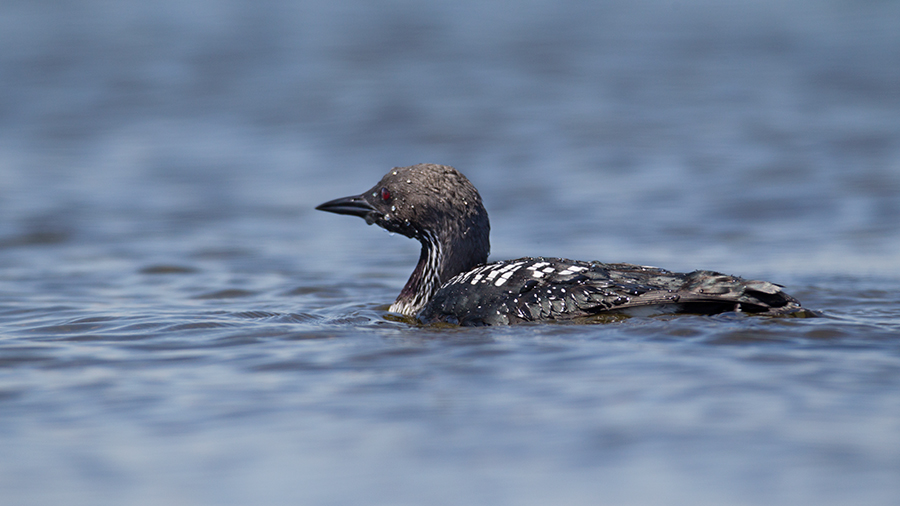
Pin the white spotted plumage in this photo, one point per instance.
(452, 225)
(572, 269)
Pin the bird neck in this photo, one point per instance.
(425, 279)
(443, 256)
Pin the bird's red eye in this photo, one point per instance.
(385, 195)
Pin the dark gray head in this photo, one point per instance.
(436, 205)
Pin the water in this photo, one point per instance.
(179, 326)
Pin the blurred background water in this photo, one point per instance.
(179, 326)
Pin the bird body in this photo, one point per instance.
(452, 282)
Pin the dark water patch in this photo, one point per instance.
(774, 357)
(491, 352)
(13, 359)
(260, 334)
(381, 356)
(66, 328)
(36, 238)
(108, 337)
(299, 318)
(357, 315)
(683, 331)
(350, 320)
(316, 334)
(326, 291)
(223, 254)
(272, 317)
(77, 363)
(827, 333)
(10, 395)
(292, 365)
(38, 309)
(747, 336)
(96, 319)
(201, 325)
(256, 315)
(181, 359)
(230, 293)
(141, 328)
(167, 269)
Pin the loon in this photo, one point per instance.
(453, 283)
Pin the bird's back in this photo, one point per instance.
(533, 289)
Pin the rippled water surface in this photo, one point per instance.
(179, 326)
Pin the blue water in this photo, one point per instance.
(179, 326)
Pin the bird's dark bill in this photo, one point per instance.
(354, 206)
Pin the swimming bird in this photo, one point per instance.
(453, 283)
